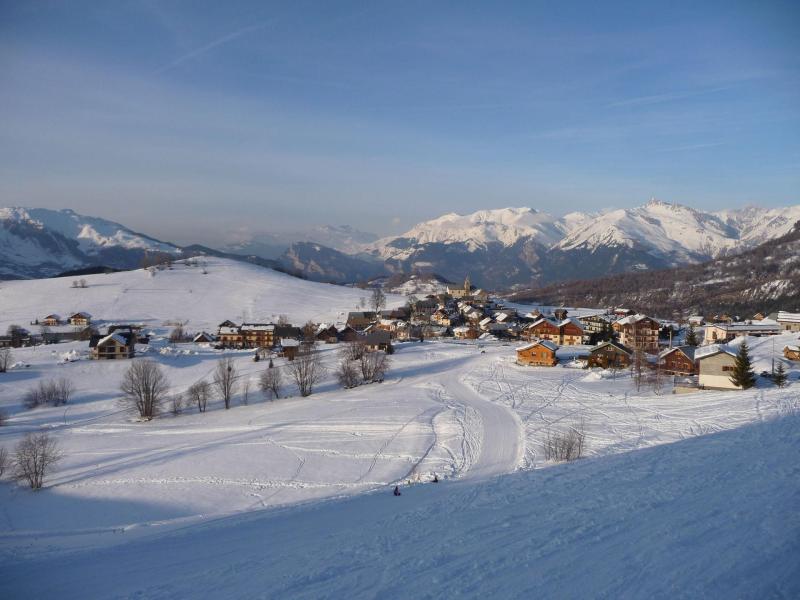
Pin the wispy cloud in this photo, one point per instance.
(692, 147)
(668, 97)
(221, 41)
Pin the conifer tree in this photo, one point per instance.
(743, 375)
(779, 376)
(691, 336)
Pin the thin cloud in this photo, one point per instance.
(225, 39)
(660, 98)
(692, 147)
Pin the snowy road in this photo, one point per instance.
(502, 447)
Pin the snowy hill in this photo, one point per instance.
(39, 243)
(229, 290)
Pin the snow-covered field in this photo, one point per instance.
(178, 489)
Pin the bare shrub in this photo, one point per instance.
(4, 461)
(198, 394)
(178, 334)
(354, 350)
(347, 373)
(225, 379)
(565, 445)
(373, 366)
(55, 392)
(144, 387)
(306, 370)
(271, 382)
(35, 457)
(177, 404)
(6, 356)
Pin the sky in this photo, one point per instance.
(199, 121)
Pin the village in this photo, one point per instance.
(694, 352)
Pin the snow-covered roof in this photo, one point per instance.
(572, 320)
(788, 317)
(462, 329)
(485, 321)
(759, 326)
(486, 336)
(114, 337)
(289, 343)
(631, 319)
(81, 315)
(791, 348)
(258, 327)
(687, 350)
(229, 330)
(546, 343)
(712, 349)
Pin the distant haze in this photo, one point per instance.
(213, 122)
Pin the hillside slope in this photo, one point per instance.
(765, 278)
(654, 523)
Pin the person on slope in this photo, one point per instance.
(435, 478)
(396, 491)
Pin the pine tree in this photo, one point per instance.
(743, 375)
(779, 376)
(691, 336)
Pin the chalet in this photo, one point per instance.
(426, 307)
(505, 316)
(327, 333)
(229, 335)
(609, 355)
(696, 320)
(289, 348)
(678, 361)
(715, 365)
(286, 331)
(719, 333)
(443, 317)
(80, 319)
(465, 332)
(396, 314)
(543, 329)
(258, 335)
(792, 352)
(204, 338)
(788, 321)
(624, 312)
(723, 318)
(359, 320)
(541, 353)
(638, 332)
(347, 334)
(51, 321)
(597, 328)
(377, 340)
(117, 345)
(484, 323)
(570, 332)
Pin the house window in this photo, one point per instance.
(727, 368)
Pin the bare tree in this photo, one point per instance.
(6, 356)
(198, 394)
(246, 392)
(144, 387)
(35, 457)
(638, 366)
(225, 379)
(309, 332)
(177, 334)
(306, 370)
(565, 445)
(271, 382)
(4, 460)
(373, 366)
(354, 350)
(177, 403)
(283, 320)
(347, 373)
(54, 391)
(377, 301)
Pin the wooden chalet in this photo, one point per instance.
(567, 332)
(610, 355)
(113, 346)
(80, 319)
(638, 332)
(678, 361)
(204, 338)
(51, 321)
(542, 329)
(541, 353)
(289, 348)
(792, 352)
(465, 332)
(347, 334)
(377, 340)
(597, 328)
(229, 335)
(359, 320)
(327, 334)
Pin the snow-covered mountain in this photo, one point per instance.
(342, 238)
(518, 246)
(39, 242)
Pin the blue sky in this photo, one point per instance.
(192, 120)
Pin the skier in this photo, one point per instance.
(397, 491)
(435, 478)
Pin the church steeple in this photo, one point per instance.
(467, 286)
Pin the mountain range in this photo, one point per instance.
(500, 249)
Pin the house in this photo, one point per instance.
(570, 331)
(543, 329)
(465, 332)
(377, 340)
(425, 308)
(720, 333)
(258, 335)
(461, 292)
(347, 334)
(610, 355)
(286, 331)
(51, 321)
(80, 319)
(678, 361)
(541, 353)
(484, 323)
(116, 345)
(597, 328)
(204, 338)
(624, 312)
(723, 318)
(639, 332)
(696, 320)
(359, 320)
(327, 333)
(792, 352)
(567, 332)
(788, 321)
(443, 317)
(715, 364)
(289, 348)
(759, 316)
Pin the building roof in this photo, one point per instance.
(81, 315)
(791, 348)
(289, 343)
(258, 327)
(572, 320)
(756, 327)
(485, 321)
(632, 319)
(118, 337)
(546, 343)
(379, 336)
(204, 334)
(616, 345)
(687, 350)
(703, 352)
(788, 317)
